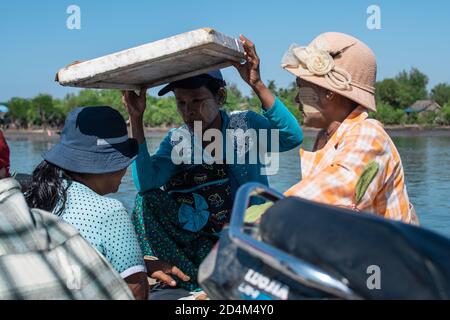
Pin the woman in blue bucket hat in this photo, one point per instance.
(88, 163)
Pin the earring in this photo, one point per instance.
(330, 95)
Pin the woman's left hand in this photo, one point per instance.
(250, 73)
(250, 70)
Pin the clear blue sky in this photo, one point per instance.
(35, 43)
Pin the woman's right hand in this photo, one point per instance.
(160, 270)
(135, 104)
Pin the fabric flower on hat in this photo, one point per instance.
(316, 60)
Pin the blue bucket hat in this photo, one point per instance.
(94, 140)
(194, 82)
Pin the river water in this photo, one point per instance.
(426, 161)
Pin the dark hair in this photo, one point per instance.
(47, 187)
(212, 84)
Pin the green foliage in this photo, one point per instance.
(427, 119)
(441, 93)
(387, 91)
(161, 112)
(272, 86)
(389, 115)
(393, 96)
(445, 114)
(234, 99)
(287, 96)
(42, 110)
(402, 91)
(412, 87)
(412, 118)
(18, 109)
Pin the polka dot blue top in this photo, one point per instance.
(105, 223)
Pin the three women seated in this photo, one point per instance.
(183, 203)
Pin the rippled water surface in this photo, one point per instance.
(426, 160)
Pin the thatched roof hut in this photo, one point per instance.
(424, 105)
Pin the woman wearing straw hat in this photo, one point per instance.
(336, 76)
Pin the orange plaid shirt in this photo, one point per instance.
(330, 174)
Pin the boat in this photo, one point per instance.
(305, 250)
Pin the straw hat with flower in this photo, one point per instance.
(337, 62)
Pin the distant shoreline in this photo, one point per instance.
(394, 131)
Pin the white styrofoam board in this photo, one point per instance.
(181, 56)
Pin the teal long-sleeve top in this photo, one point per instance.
(154, 171)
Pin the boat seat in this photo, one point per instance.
(380, 258)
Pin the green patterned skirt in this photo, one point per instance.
(160, 234)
